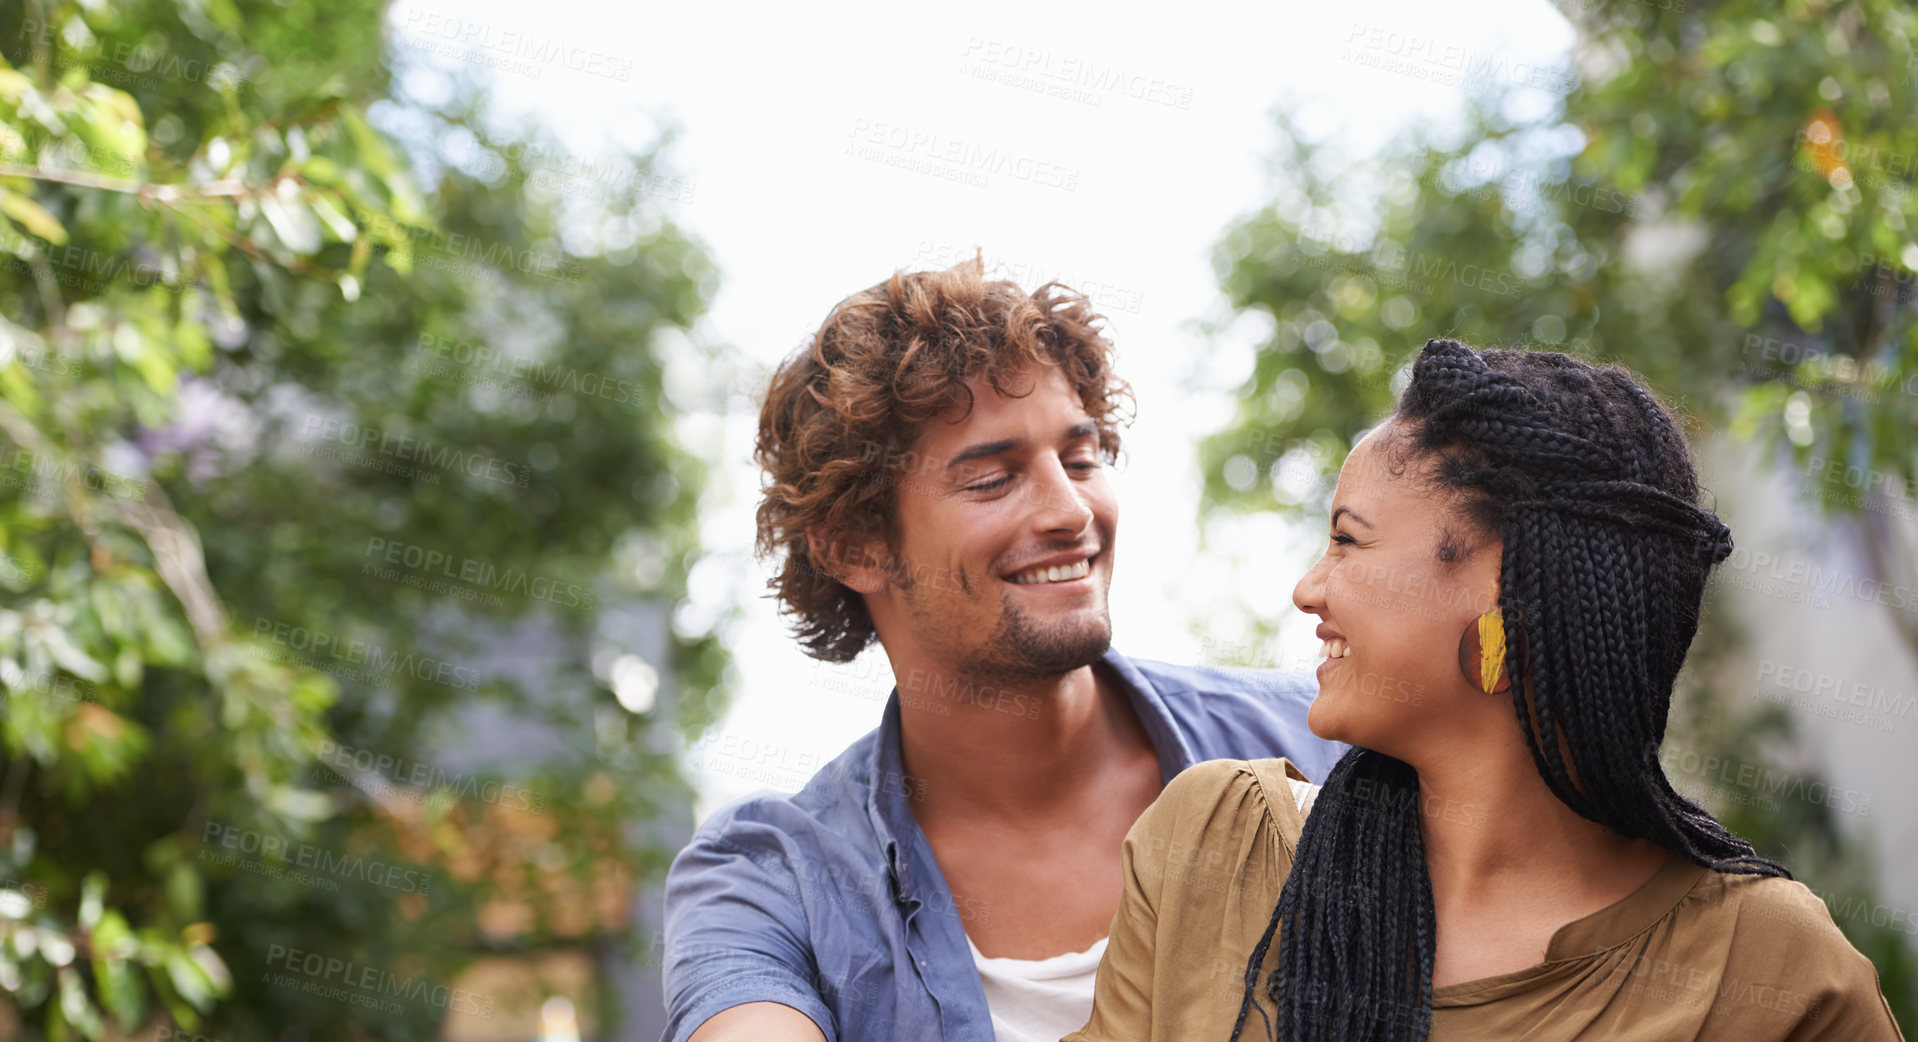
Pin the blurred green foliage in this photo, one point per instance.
(1719, 186)
(1723, 201)
(272, 332)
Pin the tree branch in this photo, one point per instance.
(146, 191)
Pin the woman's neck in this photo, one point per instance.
(1496, 834)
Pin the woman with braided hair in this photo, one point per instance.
(1513, 578)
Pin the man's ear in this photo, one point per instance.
(860, 566)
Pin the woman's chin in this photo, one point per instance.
(1345, 716)
(1326, 718)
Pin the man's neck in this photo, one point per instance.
(1010, 751)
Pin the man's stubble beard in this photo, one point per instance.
(1020, 649)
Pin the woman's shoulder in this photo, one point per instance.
(1207, 781)
(1780, 935)
(1784, 952)
(1221, 831)
(1217, 796)
(1773, 906)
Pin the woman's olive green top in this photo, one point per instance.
(1691, 954)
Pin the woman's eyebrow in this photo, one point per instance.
(1354, 513)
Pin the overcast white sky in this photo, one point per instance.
(806, 134)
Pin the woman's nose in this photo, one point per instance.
(1309, 595)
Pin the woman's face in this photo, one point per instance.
(1392, 608)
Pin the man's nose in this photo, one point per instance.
(1058, 505)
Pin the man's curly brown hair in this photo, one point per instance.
(841, 415)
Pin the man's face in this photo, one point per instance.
(1004, 542)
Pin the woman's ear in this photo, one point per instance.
(1481, 653)
(858, 565)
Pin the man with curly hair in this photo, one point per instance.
(937, 459)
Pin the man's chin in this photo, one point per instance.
(1054, 650)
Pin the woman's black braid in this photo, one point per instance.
(1590, 485)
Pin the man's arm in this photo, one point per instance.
(759, 1022)
(739, 962)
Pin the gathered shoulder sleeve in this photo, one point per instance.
(1789, 962)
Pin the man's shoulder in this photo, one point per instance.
(834, 794)
(1237, 712)
(832, 803)
(1241, 684)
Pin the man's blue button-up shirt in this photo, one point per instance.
(829, 900)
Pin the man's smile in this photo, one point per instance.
(1059, 568)
(1053, 574)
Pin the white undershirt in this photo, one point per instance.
(1303, 794)
(1039, 1000)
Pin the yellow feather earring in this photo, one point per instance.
(1481, 653)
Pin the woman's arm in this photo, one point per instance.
(1180, 842)
(1122, 994)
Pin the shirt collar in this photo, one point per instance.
(889, 788)
(887, 802)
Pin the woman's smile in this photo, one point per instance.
(1331, 653)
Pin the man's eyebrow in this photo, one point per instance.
(1354, 513)
(983, 450)
(1076, 432)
